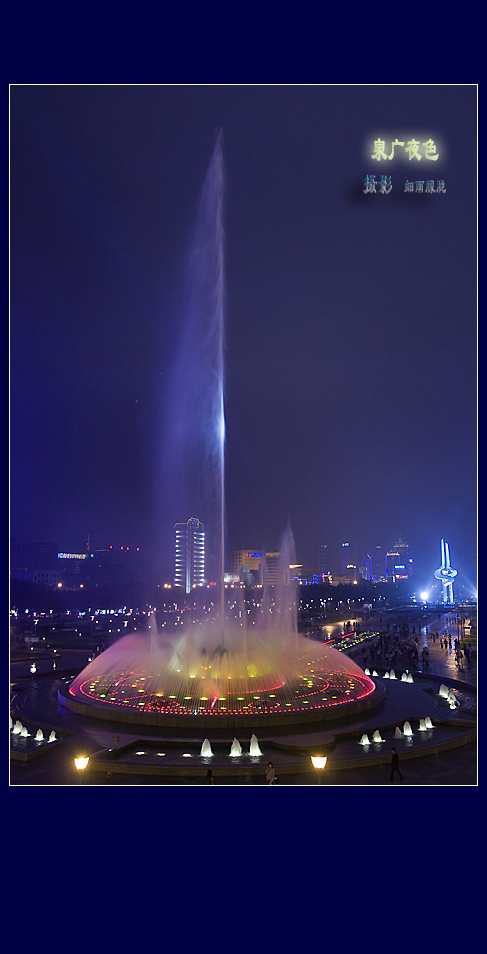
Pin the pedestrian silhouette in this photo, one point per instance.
(209, 778)
(270, 775)
(395, 766)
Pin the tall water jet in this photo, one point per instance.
(194, 465)
(206, 750)
(218, 670)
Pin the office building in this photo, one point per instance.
(189, 568)
(397, 562)
(246, 565)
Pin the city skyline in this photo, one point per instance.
(40, 564)
(350, 394)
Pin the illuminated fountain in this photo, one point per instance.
(226, 670)
(254, 747)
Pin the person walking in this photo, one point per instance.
(209, 778)
(395, 766)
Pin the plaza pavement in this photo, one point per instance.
(440, 764)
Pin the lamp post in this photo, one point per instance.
(81, 762)
(319, 762)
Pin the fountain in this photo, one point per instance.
(392, 674)
(17, 729)
(410, 677)
(254, 746)
(236, 748)
(24, 733)
(223, 669)
(428, 723)
(407, 730)
(52, 736)
(422, 725)
(365, 739)
(206, 751)
(386, 675)
(39, 736)
(398, 734)
(404, 677)
(443, 691)
(377, 736)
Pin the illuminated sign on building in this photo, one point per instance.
(72, 556)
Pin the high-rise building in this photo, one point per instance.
(246, 565)
(397, 562)
(367, 567)
(189, 567)
(349, 561)
(274, 570)
(323, 567)
(378, 563)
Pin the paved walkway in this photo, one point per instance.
(454, 767)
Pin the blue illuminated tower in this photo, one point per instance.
(446, 574)
(189, 570)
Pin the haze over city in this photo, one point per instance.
(350, 315)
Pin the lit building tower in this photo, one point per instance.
(189, 569)
(397, 562)
(349, 561)
(378, 568)
(446, 574)
(323, 567)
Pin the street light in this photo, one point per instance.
(81, 762)
(319, 762)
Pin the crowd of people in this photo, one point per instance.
(399, 647)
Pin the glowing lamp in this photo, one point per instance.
(81, 762)
(319, 762)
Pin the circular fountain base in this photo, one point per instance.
(258, 679)
(216, 721)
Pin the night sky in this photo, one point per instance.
(351, 318)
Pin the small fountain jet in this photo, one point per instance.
(446, 574)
